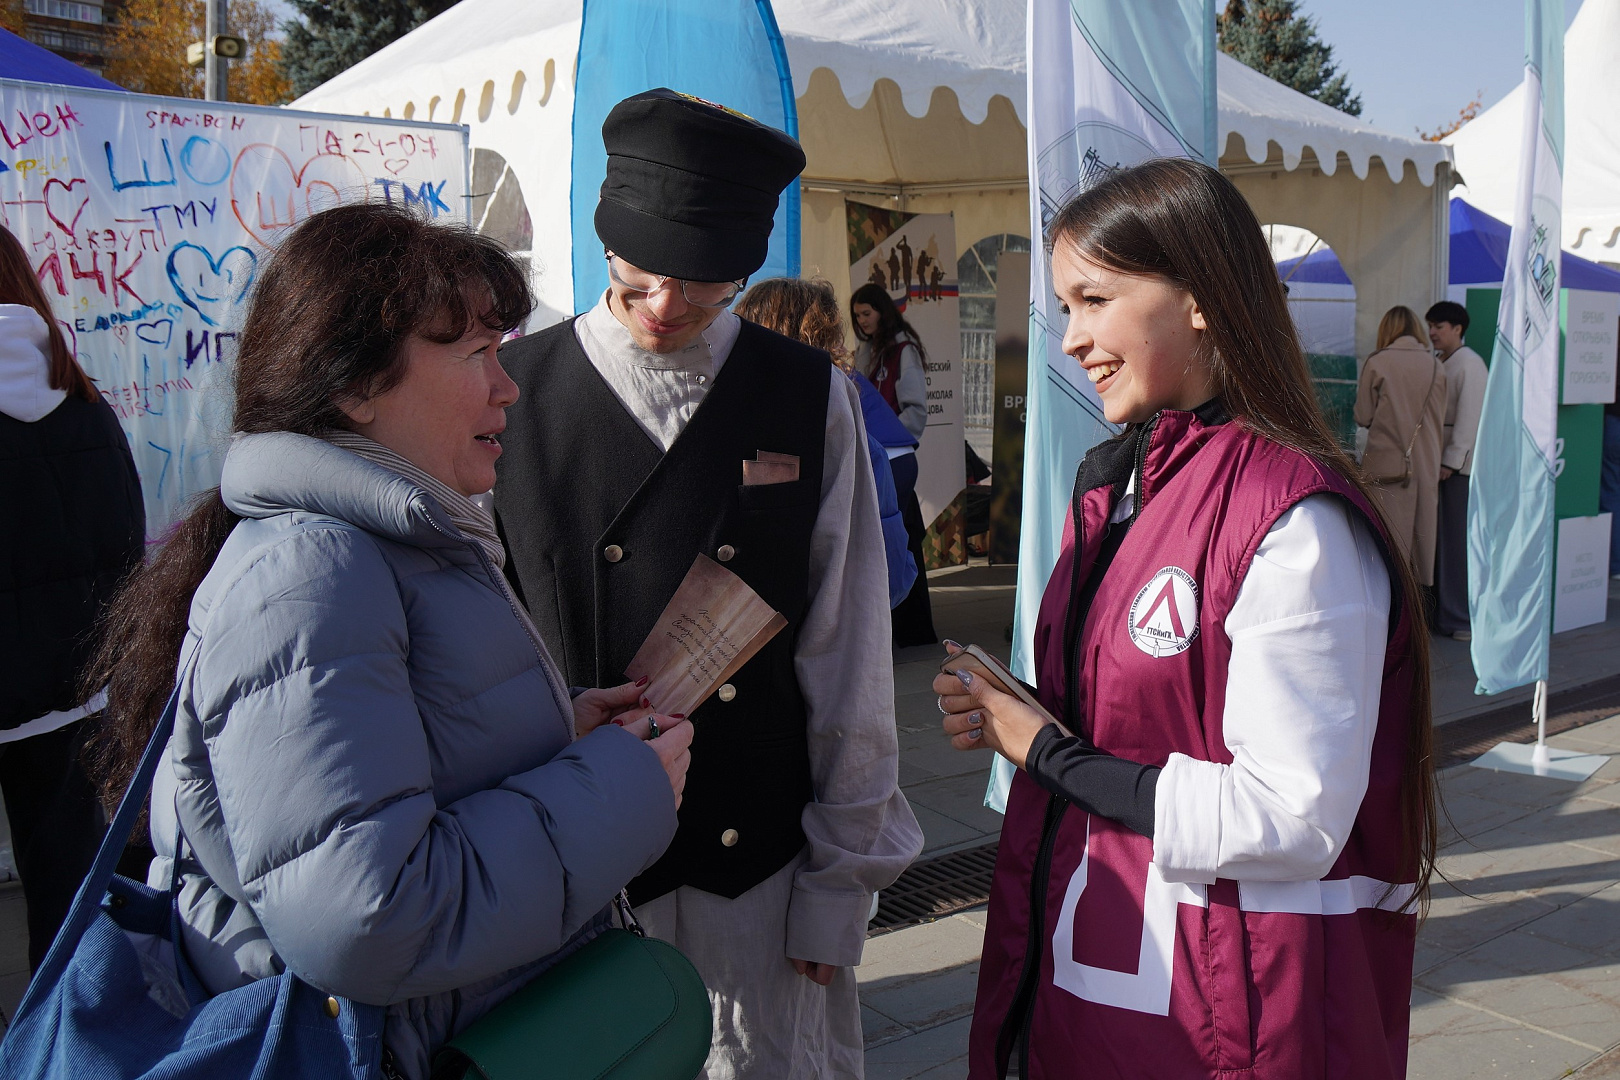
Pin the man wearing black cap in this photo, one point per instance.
(624, 460)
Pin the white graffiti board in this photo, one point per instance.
(147, 220)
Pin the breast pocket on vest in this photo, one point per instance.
(775, 496)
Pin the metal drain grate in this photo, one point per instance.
(1463, 740)
(936, 888)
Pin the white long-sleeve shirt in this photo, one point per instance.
(1465, 400)
(1308, 631)
(861, 831)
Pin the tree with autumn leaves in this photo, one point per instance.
(148, 51)
(11, 16)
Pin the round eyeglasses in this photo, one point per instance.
(699, 293)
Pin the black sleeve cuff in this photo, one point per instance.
(1095, 781)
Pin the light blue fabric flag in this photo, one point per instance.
(726, 51)
(1110, 84)
(1510, 493)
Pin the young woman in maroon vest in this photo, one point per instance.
(1219, 872)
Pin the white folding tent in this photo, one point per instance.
(918, 102)
(1487, 147)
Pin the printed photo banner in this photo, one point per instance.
(913, 256)
(147, 220)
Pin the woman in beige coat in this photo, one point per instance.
(1402, 403)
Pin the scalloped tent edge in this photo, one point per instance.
(862, 70)
(1487, 147)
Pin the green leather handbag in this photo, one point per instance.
(624, 1007)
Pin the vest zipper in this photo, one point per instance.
(1140, 469)
(1015, 1028)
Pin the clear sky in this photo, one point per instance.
(1416, 63)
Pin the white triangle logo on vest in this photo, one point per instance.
(1163, 619)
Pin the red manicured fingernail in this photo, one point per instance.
(677, 716)
(616, 720)
(643, 680)
(645, 704)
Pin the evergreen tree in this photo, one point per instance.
(330, 36)
(1271, 37)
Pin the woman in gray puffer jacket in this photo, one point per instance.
(378, 778)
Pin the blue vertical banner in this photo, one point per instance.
(726, 51)
(1516, 459)
(1110, 84)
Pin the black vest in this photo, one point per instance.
(578, 475)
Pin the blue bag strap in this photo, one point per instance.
(87, 902)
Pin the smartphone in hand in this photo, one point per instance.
(983, 665)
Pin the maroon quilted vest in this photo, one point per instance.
(1116, 972)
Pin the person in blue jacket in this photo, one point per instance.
(808, 311)
(378, 779)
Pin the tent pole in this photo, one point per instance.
(1539, 757)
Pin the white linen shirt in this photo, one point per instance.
(1465, 400)
(861, 831)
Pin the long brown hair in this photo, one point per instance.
(20, 285)
(805, 310)
(891, 324)
(1183, 221)
(1399, 322)
(329, 320)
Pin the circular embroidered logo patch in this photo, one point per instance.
(1164, 615)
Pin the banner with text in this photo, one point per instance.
(1110, 85)
(913, 256)
(147, 220)
(1516, 456)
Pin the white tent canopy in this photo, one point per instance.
(915, 101)
(1487, 148)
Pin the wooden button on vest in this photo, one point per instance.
(726, 552)
(729, 838)
(613, 553)
(332, 1007)
(726, 692)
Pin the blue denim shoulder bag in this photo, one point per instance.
(116, 999)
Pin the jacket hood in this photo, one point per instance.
(278, 472)
(25, 365)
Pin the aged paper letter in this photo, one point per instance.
(712, 626)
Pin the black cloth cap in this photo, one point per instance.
(691, 186)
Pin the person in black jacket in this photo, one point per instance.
(73, 525)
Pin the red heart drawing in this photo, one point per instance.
(270, 195)
(50, 211)
(121, 332)
(396, 165)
